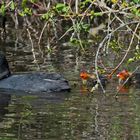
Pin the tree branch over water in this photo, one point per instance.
(97, 24)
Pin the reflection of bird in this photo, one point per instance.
(128, 78)
(91, 80)
(32, 82)
(123, 89)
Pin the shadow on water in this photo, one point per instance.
(4, 102)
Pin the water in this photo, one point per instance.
(75, 115)
(78, 115)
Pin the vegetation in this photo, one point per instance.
(111, 25)
(105, 28)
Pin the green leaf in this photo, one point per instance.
(98, 14)
(24, 3)
(136, 1)
(136, 11)
(130, 60)
(21, 14)
(2, 10)
(12, 5)
(61, 8)
(47, 16)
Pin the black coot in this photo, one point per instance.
(31, 82)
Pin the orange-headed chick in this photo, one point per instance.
(85, 76)
(123, 76)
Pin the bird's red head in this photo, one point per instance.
(123, 75)
(84, 75)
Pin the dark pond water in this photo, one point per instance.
(78, 115)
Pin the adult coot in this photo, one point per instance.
(31, 82)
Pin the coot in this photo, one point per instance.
(31, 82)
(91, 79)
(128, 78)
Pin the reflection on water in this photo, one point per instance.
(78, 115)
(72, 115)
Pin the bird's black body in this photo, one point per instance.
(31, 82)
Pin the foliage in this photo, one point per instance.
(114, 45)
(2, 9)
(136, 56)
(61, 8)
(136, 1)
(82, 18)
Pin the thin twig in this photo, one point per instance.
(33, 50)
(42, 32)
(101, 45)
(127, 51)
(70, 29)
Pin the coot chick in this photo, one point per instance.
(128, 78)
(88, 79)
(124, 77)
(91, 80)
(31, 82)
